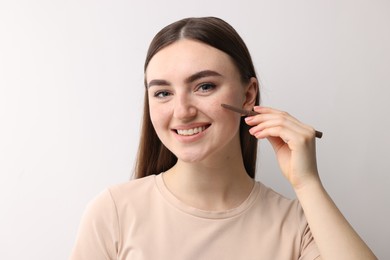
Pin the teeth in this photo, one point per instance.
(191, 131)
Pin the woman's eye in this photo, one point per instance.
(162, 94)
(206, 87)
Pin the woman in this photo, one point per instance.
(195, 196)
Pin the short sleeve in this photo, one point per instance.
(308, 248)
(98, 234)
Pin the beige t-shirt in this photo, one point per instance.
(141, 220)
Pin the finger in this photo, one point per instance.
(268, 110)
(266, 113)
(276, 122)
(277, 117)
(281, 132)
(263, 121)
(286, 130)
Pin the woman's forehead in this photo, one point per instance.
(187, 57)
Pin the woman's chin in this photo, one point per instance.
(190, 158)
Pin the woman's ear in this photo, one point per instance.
(251, 92)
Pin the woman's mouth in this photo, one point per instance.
(191, 131)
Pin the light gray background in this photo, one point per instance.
(71, 92)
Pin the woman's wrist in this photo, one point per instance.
(310, 184)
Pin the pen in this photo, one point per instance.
(244, 112)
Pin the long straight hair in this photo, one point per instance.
(153, 157)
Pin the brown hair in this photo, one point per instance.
(153, 157)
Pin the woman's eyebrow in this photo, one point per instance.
(190, 79)
(202, 74)
(158, 82)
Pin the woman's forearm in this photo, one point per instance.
(334, 236)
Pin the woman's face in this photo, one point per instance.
(187, 82)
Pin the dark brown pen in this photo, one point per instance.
(244, 112)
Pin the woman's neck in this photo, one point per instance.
(210, 186)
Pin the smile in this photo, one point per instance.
(191, 131)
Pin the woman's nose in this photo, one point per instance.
(184, 108)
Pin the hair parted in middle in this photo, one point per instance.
(153, 157)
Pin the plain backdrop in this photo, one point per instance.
(71, 94)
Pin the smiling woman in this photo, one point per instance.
(194, 196)
(216, 34)
(194, 84)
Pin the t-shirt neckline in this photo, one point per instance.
(178, 204)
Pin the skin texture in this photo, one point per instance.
(187, 81)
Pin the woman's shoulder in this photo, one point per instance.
(133, 189)
(277, 203)
(125, 190)
(113, 200)
(282, 211)
(134, 185)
